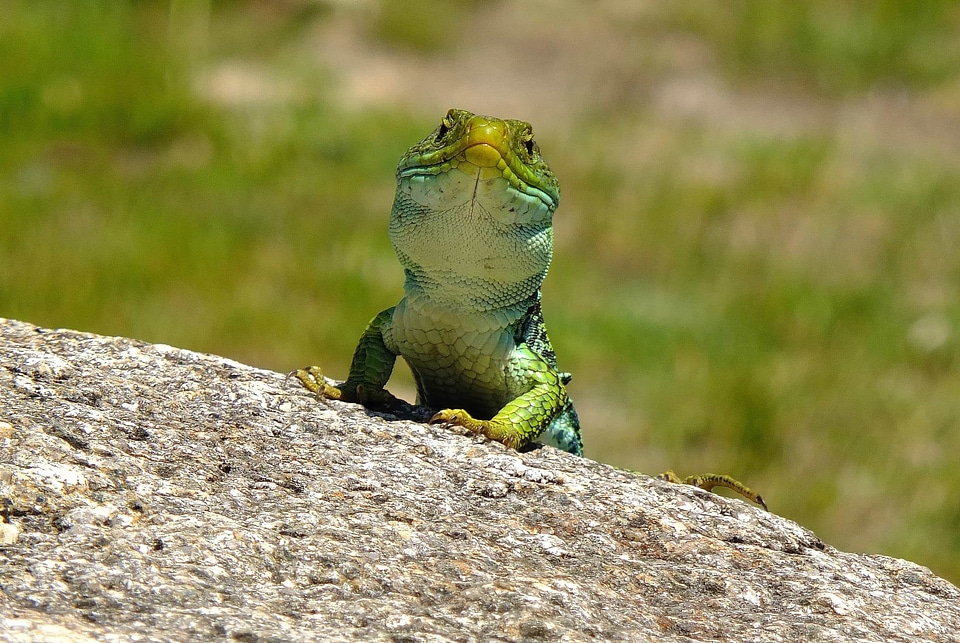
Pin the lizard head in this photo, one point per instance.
(492, 161)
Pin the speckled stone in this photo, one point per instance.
(163, 495)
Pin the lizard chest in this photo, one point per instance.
(458, 361)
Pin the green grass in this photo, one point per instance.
(783, 307)
(839, 47)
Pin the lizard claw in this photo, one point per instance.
(450, 417)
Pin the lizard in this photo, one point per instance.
(472, 226)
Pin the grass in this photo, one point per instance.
(777, 305)
(839, 48)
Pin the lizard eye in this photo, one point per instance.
(532, 148)
(445, 125)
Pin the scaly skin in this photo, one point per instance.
(472, 225)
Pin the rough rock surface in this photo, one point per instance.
(155, 494)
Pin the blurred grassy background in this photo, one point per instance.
(758, 259)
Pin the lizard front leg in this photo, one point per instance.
(525, 417)
(369, 371)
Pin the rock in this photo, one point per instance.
(163, 495)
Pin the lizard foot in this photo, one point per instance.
(312, 378)
(488, 428)
(710, 480)
(374, 398)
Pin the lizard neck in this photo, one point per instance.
(470, 257)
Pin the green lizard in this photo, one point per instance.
(472, 225)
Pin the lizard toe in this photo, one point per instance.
(312, 379)
(458, 417)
